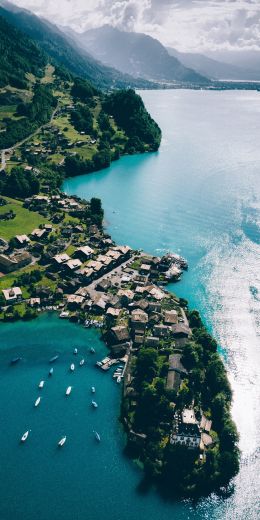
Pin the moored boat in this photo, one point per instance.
(54, 358)
(25, 436)
(97, 436)
(68, 391)
(93, 389)
(94, 404)
(41, 384)
(72, 367)
(75, 351)
(15, 360)
(51, 371)
(92, 350)
(81, 363)
(62, 441)
(37, 402)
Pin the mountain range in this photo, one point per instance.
(135, 53)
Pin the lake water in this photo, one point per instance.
(199, 196)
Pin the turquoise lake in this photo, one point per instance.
(199, 196)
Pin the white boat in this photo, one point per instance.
(75, 351)
(93, 389)
(68, 391)
(37, 402)
(62, 441)
(25, 435)
(94, 404)
(119, 379)
(51, 371)
(72, 367)
(81, 363)
(97, 436)
(41, 384)
(92, 350)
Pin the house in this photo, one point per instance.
(38, 233)
(175, 372)
(205, 424)
(12, 295)
(138, 339)
(151, 341)
(22, 240)
(186, 430)
(112, 312)
(139, 320)
(181, 331)
(119, 334)
(14, 261)
(61, 259)
(103, 285)
(73, 264)
(74, 301)
(84, 253)
(86, 274)
(155, 307)
(171, 317)
(35, 302)
(99, 304)
(124, 250)
(145, 269)
(161, 330)
(125, 296)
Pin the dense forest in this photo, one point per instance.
(19, 55)
(131, 115)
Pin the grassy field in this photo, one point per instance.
(24, 222)
(8, 280)
(48, 77)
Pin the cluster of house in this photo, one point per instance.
(190, 431)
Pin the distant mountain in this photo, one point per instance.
(64, 51)
(215, 69)
(248, 60)
(136, 54)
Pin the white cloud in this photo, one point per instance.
(185, 24)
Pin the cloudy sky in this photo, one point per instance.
(188, 25)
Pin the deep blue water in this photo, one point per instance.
(200, 196)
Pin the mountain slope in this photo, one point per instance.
(64, 51)
(214, 68)
(137, 54)
(19, 55)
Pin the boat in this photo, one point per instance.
(41, 384)
(51, 371)
(97, 436)
(37, 402)
(72, 367)
(93, 389)
(92, 350)
(81, 363)
(94, 404)
(99, 364)
(118, 379)
(24, 436)
(53, 359)
(15, 360)
(62, 441)
(68, 391)
(75, 351)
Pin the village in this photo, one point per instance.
(69, 265)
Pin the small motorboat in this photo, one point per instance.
(72, 367)
(94, 404)
(37, 402)
(97, 436)
(41, 384)
(75, 351)
(51, 371)
(25, 436)
(119, 379)
(92, 350)
(54, 358)
(68, 391)
(81, 363)
(15, 360)
(93, 389)
(99, 364)
(62, 441)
